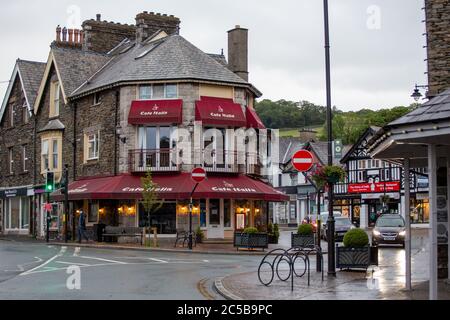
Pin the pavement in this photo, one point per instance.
(31, 269)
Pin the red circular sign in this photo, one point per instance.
(302, 160)
(198, 175)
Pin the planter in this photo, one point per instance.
(302, 241)
(356, 258)
(273, 239)
(251, 240)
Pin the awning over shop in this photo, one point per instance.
(253, 120)
(219, 111)
(156, 111)
(172, 187)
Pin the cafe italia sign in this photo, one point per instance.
(155, 112)
(220, 114)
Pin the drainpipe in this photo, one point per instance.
(116, 123)
(74, 144)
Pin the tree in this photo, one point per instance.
(151, 201)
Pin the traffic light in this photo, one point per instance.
(50, 183)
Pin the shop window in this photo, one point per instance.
(227, 213)
(25, 213)
(93, 212)
(242, 210)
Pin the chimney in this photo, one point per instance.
(99, 17)
(72, 38)
(238, 51)
(149, 23)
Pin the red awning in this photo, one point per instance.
(220, 112)
(253, 120)
(156, 111)
(172, 187)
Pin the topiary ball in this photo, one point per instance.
(305, 230)
(356, 238)
(251, 230)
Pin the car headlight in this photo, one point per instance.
(402, 233)
(376, 233)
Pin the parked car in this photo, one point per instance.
(341, 226)
(389, 229)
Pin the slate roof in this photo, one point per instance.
(31, 73)
(287, 147)
(437, 108)
(53, 125)
(170, 58)
(76, 66)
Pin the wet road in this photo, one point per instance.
(38, 271)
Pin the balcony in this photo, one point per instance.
(220, 162)
(163, 160)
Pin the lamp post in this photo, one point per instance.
(331, 221)
(416, 95)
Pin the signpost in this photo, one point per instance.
(302, 160)
(198, 175)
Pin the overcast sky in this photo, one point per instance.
(377, 45)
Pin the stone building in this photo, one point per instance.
(17, 126)
(113, 103)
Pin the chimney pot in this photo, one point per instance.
(99, 17)
(64, 34)
(71, 31)
(76, 36)
(146, 12)
(58, 33)
(237, 26)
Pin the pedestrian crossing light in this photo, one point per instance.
(50, 182)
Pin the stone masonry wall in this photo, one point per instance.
(102, 36)
(19, 135)
(438, 45)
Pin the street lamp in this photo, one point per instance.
(416, 93)
(331, 221)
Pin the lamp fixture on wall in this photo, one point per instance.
(120, 134)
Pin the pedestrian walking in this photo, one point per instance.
(82, 227)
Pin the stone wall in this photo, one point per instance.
(150, 23)
(96, 118)
(21, 134)
(438, 45)
(102, 36)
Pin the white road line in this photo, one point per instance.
(158, 260)
(63, 250)
(73, 263)
(106, 260)
(76, 252)
(40, 266)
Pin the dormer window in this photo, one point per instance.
(55, 90)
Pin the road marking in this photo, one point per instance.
(158, 260)
(73, 263)
(76, 252)
(106, 260)
(40, 266)
(63, 250)
(202, 288)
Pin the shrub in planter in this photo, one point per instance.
(328, 174)
(200, 235)
(305, 230)
(274, 233)
(356, 238)
(304, 237)
(356, 252)
(250, 230)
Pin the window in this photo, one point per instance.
(55, 154)
(11, 160)
(54, 99)
(24, 158)
(93, 212)
(227, 213)
(145, 92)
(93, 146)
(25, 114)
(158, 91)
(45, 155)
(97, 99)
(11, 116)
(171, 91)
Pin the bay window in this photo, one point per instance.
(44, 155)
(158, 91)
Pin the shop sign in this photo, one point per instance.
(376, 196)
(375, 187)
(221, 114)
(12, 193)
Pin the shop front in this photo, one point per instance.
(221, 205)
(16, 208)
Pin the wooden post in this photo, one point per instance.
(155, 237)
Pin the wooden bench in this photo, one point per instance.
(117, 232)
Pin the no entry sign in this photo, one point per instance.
(302, 160)
(198, 175)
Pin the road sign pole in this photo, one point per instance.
(191, 206)
(48, 219)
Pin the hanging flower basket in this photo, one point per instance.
(328, 174)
